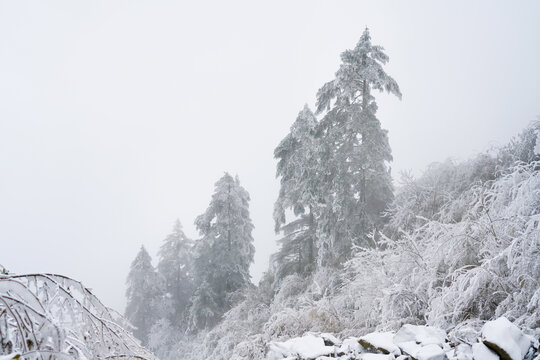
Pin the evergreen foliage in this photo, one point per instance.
(297, 168)
(335, 174)
(355, 151)
(175, 270)
(223, 254)
(142, 292)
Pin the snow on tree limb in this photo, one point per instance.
(54, 315)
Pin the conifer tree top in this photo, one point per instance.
(227, 191)
(175, 240)
(360, 66)
(142, 256)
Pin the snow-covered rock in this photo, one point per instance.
(506, 339)
(424, 335)
(350, 346)
(461, 352)
(410, 348)
(419, 352)
(380, 341)
(330, 339)
(482, 352)
(411, 342)
(430, 352)
(306, 347)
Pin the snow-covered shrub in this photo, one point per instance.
(444, 271)
(239, 324)
(462, 247)
(291, 287)
(252, 348)
(318, 316)
(325, 281)
(163, 335)
(502, 226)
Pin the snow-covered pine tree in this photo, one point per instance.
(142, 291)
(224, 253)
(175, 270)
(297, 169)
(354, 150)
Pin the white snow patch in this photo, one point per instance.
(462, 352)
(308, 347)
(424, 335)
(368, 356)
(431, 352)
(419, 352)
(410, 347)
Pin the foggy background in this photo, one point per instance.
(117, 117)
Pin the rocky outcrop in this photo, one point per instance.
(498, 340)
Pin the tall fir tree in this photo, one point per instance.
(175, 270)
(297, 168)
(142, 292)
(354, 150)
(224, 253)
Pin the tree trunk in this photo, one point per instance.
(311, 237)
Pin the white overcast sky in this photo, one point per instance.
(117, 117)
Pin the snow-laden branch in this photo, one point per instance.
(46, 316)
